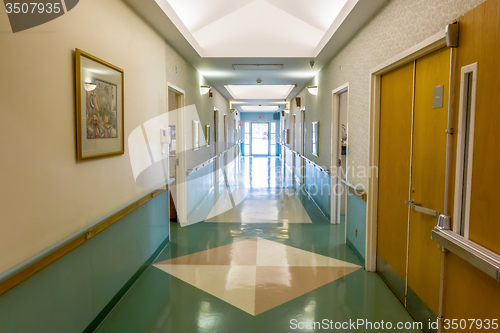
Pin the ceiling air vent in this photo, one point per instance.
(258, 67)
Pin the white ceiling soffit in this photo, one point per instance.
(260, 92)
(257, 28)
(260, 108)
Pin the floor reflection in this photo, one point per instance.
(259, 180)
(249, 277)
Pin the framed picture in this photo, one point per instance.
(99, 108)
(207, 135)
(315, 137)
(196, 135)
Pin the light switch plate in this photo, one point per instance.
(438, 97)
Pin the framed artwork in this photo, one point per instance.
(207, 135)
(196, 135)
(315, 137)
(99, 108)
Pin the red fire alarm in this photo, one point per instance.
(210, 94)
(260, 117)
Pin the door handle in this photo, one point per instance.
(420, 209)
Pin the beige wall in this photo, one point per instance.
(189, 79)
(45, 194)
(398, 26)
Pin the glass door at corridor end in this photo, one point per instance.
(260, 139)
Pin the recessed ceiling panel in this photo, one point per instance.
(260, 108)
(259, 91)
(256, 28)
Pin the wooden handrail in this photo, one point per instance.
(317, 166)
(360, 193)
(201, 165)
(31, 266)
(357, 192)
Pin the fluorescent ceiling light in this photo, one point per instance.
(258, 67)
(259, 91)
(256, 26)
(260, 108)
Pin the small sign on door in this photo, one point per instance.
(260, 117)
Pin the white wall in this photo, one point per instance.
(45, 194)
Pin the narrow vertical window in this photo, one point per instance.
(465, 149)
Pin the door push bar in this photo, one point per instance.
(444, 221)
(419, 208)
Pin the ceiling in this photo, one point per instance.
(257, 28)
(259, 91)
(260, 108)
(220, 37)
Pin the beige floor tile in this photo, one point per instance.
(271, 253)
(241, 253)
(278, 285)
(256, 275)
(232, 284)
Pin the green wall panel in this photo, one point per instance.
(356, 220)
(67, 295)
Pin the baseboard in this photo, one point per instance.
(356, 252)
(114, 301)
(391, 278)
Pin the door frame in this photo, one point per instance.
(181, 143)
(268, 135)
(461, 148)
(423, 48)
(303, 131)
(335, 201)
(225, 126)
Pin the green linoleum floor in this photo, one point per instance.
(160, 302)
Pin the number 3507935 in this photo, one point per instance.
(33, 8)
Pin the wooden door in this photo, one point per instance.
(412, 169)
(394, 175)
(469, 293)
(432, 76)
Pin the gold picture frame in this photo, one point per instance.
(315, 138)
(100, 117)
